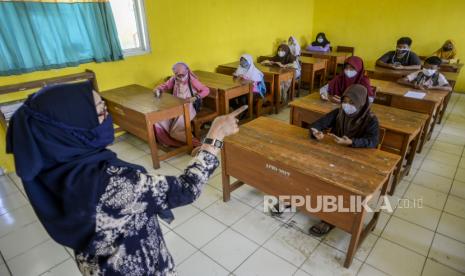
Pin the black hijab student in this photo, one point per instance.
(321, 43)
(104, 208)
(353, 124)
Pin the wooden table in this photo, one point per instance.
(278, 74)
(334, 58)
(136, 110)
(403, 127)
(280, 159)
(228, 88)
(393, 94)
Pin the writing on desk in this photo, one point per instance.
(277, 170)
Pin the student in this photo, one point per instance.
(354, 73)
(321, 44)
(294, 46)
(427, 78)
(185, 85)
(352, 125)
(285, 59)
(402, 58)
(105, 209)
(447, 52)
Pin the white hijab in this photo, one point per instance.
(295, 47)
(252, 73)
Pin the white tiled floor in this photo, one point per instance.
(211, 237)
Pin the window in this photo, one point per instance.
(131, 24)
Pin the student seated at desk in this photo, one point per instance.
(185, 85)
(321, 44)
(353, 125)
(294, 46)
(354, 73)
(447, 52)
(248, 71)
(428, 78)
(285, 59)
(402, 58)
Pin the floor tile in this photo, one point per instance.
(368, 270)
(12, 202)
(443, 157)
(433, 268)
(429, 197)
(228, 212)
(340, 240)
(180, 162)
(432, 181)
(256, 265)
(39, 259)
(200, 229)
(68, 268)
(425, 216)
(292, 245)
(4, 270)
(326, 260)
(451, 139)
(200, 264)
(249, 195)
(257, 226)
(460, 175)
(207, 197)
(381, 224)
(230, 249)
(458, 189)
(304, 221)
(181, 215)
(6, 186)
(22, 239)
(301, 273)
(456, 206)
(449, 252)
(447, 148)
(409, 235)
(452, 226)
(439, 168)
(179, 248)
(16, 219)
(394, 259)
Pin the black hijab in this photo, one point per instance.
(322, 44)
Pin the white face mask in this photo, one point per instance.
(349, 109)
(429, 72)
(320, 40)
(281, 53)
(350, 73)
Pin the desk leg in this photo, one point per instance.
(411, 155)
(152, 141)
(250, 96)
(355, 240)
(424, 134)
(225, 178)
(446, 103)
(277, 94)
(398, 170)
(187, 126)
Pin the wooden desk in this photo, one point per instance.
(136, 110)
(228, 88)
(280, 159)
(279, 74)
(334, 58)
(403, 127)
(392, 94)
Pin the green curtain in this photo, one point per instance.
(37, 35)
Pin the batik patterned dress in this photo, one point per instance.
(128, 239)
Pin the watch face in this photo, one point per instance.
(218, 144)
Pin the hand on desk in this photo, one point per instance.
(191, 99)
(420, 87)
(266, 62)
(317, 134)
(341, 141)
(157, 93)
(335, 99)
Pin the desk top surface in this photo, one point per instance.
(400, 120)
(219, 81)
(397, 89)
(275, 70)
(330, 53)
(450, 76)
(140, 99)
(359, 171)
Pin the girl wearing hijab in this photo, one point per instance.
(352, 125)
(354, 73)
(185, 85)
(447, 52)
(321, 44)
(248, 71)
(294, 46)
(87, 199)
(427, 78)
(284, 59)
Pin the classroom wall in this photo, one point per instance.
(373, 27)
(203, 33)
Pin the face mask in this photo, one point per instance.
(350, 73)
(349, 109)
(428, 72)
(402, 51)
(183, 79)
(320, 40)
(281, 53)
(245, 64)
(447, 48)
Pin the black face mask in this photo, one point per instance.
(447, 48)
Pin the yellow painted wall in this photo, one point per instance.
(373, 26)
(203, 33)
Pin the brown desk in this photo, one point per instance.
(228, 88)
(393, 94)
(403, 127)
(280, 159)
(334, 58)
(278, 74)
(136, 110)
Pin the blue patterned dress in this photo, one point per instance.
(128, 239)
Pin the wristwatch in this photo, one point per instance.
(213, 142)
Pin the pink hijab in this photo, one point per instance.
(341, 82)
